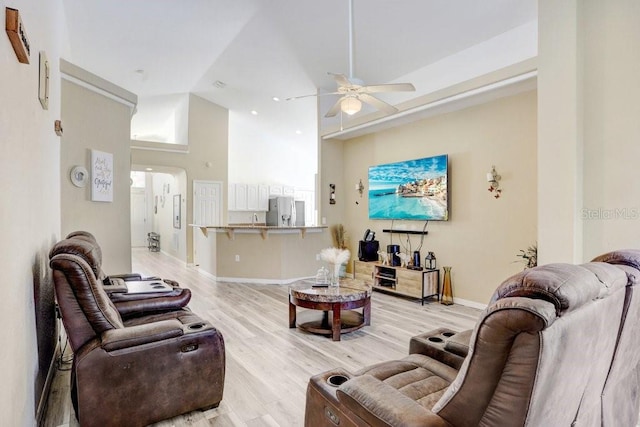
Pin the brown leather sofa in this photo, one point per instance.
(128, 304)
(136, 371)
(556, 346)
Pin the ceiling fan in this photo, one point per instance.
(354, 92)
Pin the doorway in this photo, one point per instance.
(158, 204)
(207, 210)
(138, 217)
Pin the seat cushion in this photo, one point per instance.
(417, 376)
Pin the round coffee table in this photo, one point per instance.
(341, 301)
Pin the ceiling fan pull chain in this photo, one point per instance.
(351, 40)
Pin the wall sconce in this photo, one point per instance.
(360, 187)
(494, 182)
(332, 194)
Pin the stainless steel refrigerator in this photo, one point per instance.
(299, 222)
(281, 212)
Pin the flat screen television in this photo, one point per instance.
(413, 190)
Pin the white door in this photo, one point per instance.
(207, 210)
(138, 218)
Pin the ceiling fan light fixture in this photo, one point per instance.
(350, 105)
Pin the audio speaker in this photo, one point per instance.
(368, 251)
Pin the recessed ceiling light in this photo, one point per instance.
(254, 112)
(275, 98)
(219, 84)
(148, 169)
(298, 132)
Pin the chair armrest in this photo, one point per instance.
(459, 343)
(380, 404)
(132, 305)
(443, 345)
(127, 276)
(116, 339)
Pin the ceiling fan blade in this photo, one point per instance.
(341, 80)
(312, 94)
(391, 87)
(335, 109)
(380, 105)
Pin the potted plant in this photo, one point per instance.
(529, 256)
(339, 236)
(338, 255)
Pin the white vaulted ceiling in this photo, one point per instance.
(164, 49)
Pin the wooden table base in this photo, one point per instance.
(338, 317)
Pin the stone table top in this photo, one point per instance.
(349, 290)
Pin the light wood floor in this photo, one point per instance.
(268, 364)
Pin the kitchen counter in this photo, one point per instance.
(261, 229)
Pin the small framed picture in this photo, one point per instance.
(176, 211)
(101, 176)
(43, 84)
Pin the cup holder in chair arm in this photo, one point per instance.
(337, 380)
(435, 343)
(198, 326)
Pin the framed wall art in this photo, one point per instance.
(176, 211)
(43, 83)
(101, 176)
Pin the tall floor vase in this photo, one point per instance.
(447, 290)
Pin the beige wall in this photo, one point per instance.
(30, 218)
(559, 134)
(484, 235)
(95, 121)
(208, 143)
(588, 115)
(611, 95)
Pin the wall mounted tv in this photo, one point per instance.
(413, 190)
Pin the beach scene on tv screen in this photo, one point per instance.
(412, 189)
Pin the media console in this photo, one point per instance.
(420, 284)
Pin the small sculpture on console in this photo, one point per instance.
(404, 259)
(384, 257)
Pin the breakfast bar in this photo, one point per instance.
(260, 253)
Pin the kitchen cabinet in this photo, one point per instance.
(275, 190)
(263, 197)
(241, 197)
(231, 197)
(248, 197)
(282, 190)
(252, 197)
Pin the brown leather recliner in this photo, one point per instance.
(128, 304)
(555, 346)
(137, 371)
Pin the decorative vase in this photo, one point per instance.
(447, 291)
(335, 279)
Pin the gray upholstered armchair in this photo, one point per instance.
(556, 346)
(137, 371)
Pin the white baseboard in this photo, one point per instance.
(262, 281)
(206, 273)
(173, 256)
(469, 303)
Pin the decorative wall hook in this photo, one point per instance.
(494, 182)
(360, 187)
